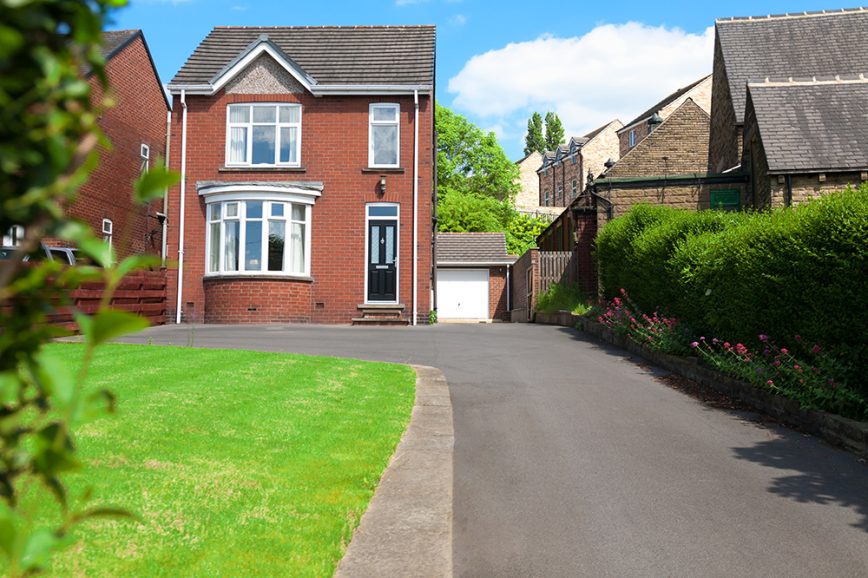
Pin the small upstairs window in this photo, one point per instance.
(263, 135)
(384, 135)
(145, 156)
(632, 137)
(107, 230)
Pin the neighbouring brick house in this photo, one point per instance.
(136, 127)
(473, 277)
(637, 129)
(804, 138)
(563, 171)
(527, 200)
(307, 162)
(750, 50)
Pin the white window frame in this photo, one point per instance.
(397, 219)
(632, 137)
(248, 162)
(107, 230)
(145, 155)
(267, 200)
(396, 123)
(13, 236)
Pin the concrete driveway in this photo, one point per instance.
(571, 459)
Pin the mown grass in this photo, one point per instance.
(237, 462)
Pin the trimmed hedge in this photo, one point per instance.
(786, 272)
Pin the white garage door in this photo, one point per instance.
(462, 293)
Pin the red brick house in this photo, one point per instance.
(136, 127)
(307, 159)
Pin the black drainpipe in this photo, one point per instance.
(788, 200)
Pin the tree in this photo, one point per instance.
(471, 161)
(48, 146)
(554, 131)
(534, 141)
(477, 184)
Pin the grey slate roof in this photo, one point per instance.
(665, 102)
(806, 45)
(472, 248)
(385, 55)
(813, 126)
(114, 40)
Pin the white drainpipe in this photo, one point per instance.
(181, 211)
(415, 206)
(164, 248)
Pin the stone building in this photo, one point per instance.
(528, 200)
(750, 50)
(804, 138)
(563, 172)
(640, 127)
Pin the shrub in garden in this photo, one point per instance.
(657, 331)
(790, 271)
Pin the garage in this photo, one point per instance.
(462, 294)
(472, 277)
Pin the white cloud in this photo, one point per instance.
(458, 20)
(613, 71)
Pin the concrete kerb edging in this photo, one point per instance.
(407, 529)
(840, 431)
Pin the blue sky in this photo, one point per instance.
(497, 62)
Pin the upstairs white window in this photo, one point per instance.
(13, 236)
(632, 138)
(107, 230)
(384, 135)
(145, 156)
(263, 135)
(258, 237)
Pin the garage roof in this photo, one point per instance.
(472, 249)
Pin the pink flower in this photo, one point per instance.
(694, 345)
(740, 349)
(799, 338)
(616, 301)
(784, 350)
(726, 345)
(770, 382)
(776, 363)
(797, 367)
(715, 341)
(816, 349)
(623, 291)
(763, 337)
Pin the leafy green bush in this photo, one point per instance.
(566, 297)
(786, 272)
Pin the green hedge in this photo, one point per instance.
(786, 272)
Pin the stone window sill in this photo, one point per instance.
(254, 277)
(262, 169)
(383, 170)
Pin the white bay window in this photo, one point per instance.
(259, 237)
(263, 135)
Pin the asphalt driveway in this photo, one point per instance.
(572, 459)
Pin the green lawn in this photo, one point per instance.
(238, 462)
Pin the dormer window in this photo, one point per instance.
(263, 135)
(632, 137)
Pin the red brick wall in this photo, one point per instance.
(524, 297)
(497, 306)
(234, 300)
(335, 152)
(138, 117)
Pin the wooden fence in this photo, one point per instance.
(141, 292)
(556, 267)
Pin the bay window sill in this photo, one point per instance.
(255, 277)
(262, 169)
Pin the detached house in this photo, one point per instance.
(307, 159)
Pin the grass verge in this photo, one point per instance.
(237, 462)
